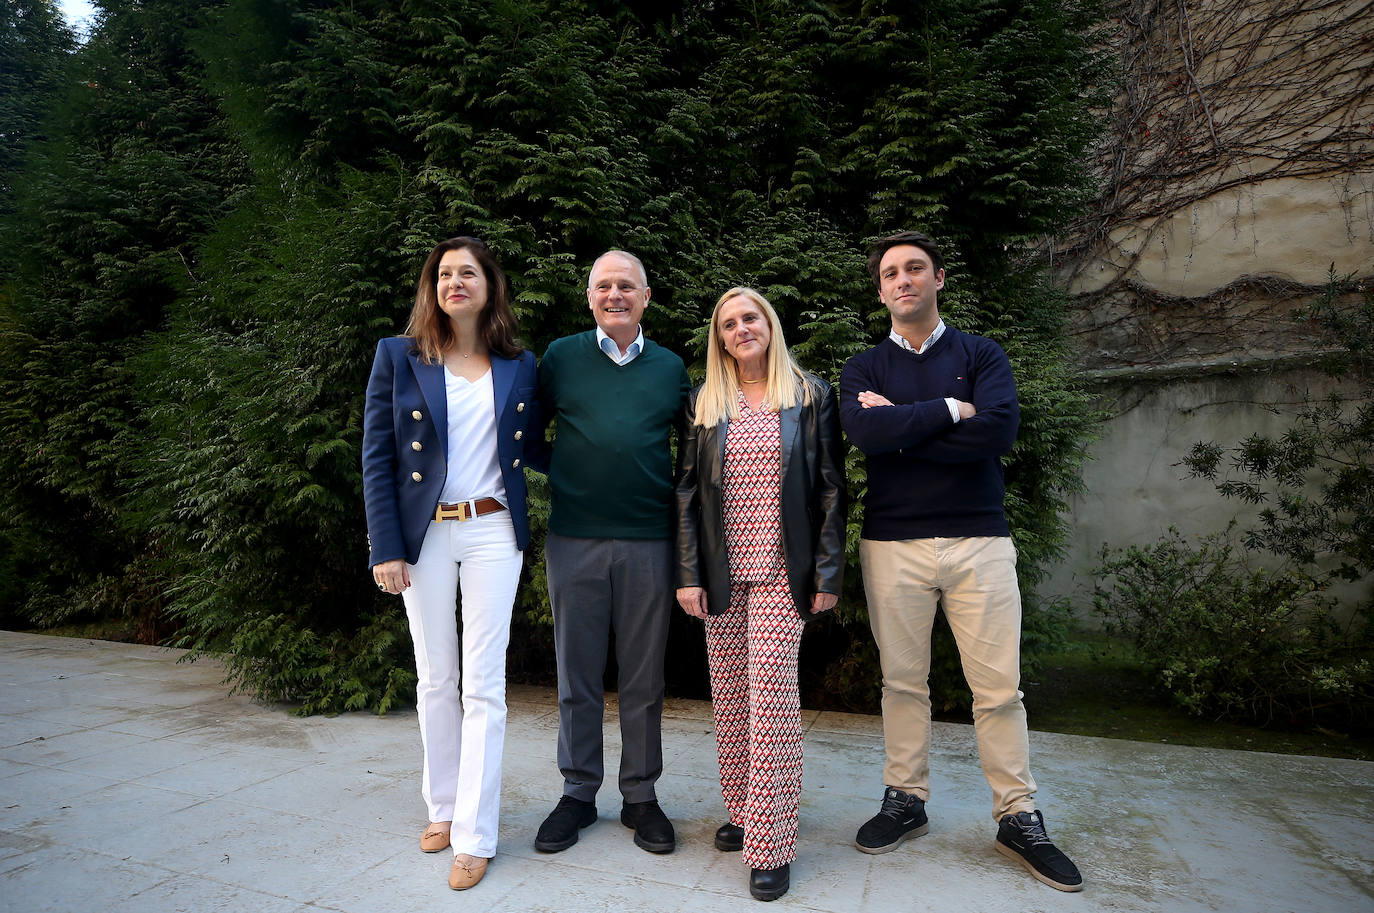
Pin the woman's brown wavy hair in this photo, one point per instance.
(429, 325)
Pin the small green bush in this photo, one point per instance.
(1233, 641)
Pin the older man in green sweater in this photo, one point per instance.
(616, 396)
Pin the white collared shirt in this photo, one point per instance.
(950, 402)
(930, 341)
(612, 350)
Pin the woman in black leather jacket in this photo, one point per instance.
(760, 548)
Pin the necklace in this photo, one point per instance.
(455, 359)
(759, 381)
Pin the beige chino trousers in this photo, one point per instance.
(974, 579)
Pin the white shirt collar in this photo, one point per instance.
(612, 350)
(901, 340)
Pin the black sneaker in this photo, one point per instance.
(653, 830)
(559, 830)
(1022, 837)
(902, 817)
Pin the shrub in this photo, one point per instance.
(1232, 641)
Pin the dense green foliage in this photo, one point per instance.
(230, 200)
(34, 44)
(131, 168)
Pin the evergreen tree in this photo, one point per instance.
(249, 478)
(248, 219)
(34, 44)
(101, 242)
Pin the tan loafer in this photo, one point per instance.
(466, 872)
(435, 837)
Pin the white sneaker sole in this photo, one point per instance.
(1025, 864)
(877, 850)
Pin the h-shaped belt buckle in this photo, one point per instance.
(463, 510)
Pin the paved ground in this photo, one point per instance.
(132, 782)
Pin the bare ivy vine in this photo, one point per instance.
(1218, 95)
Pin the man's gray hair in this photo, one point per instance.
(624, 255)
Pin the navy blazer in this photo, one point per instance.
(405, 444)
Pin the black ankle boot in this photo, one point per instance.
(729, 838)
(769, 884)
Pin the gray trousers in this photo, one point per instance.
(597, 586)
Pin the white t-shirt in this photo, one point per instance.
(473, 471)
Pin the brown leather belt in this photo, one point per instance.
(466, 510)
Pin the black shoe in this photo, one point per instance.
(1022, 837)
(559, 830)
(770, 884)
(729, 838)
(902, 817)
(653, 830)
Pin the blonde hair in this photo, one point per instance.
(786, 385)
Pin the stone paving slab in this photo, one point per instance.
(130, 781)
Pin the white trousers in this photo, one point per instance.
(461, 693)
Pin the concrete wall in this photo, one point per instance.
(1220, 279)
(1229, 196)
(1135, 487)
(1290, 228)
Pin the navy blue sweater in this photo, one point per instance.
(929, 476)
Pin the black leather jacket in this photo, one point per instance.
(813, 503)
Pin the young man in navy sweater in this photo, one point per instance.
(934, 410)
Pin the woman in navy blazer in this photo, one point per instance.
(449, 408)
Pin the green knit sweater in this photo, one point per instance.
(611, 472)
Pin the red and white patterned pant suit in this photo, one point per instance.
(752, 649)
